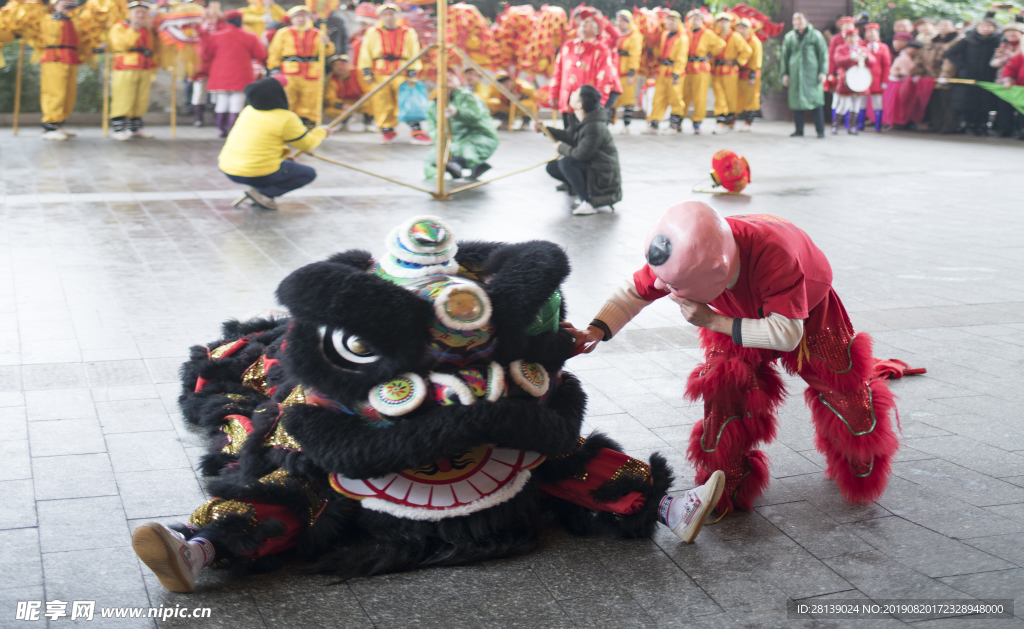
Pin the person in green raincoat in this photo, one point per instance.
(474, 138)
(804, 67)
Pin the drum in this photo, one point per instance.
(858, 79)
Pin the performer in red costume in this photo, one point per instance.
(762, 291)
(850, 103)
(879, 73)
(837, 40)
(584, 61)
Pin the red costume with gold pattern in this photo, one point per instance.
(582, 63)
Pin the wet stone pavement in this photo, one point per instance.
(116, 257)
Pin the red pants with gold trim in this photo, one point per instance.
(742, 390)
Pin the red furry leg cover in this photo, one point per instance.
(854, 432)
(741, 390)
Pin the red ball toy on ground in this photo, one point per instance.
(729, 170)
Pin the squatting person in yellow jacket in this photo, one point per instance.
(386, 47)
(725, 73)
(501, 106)
(750, 75)
(631, 48)
(254, 152)
(135, 46)
(704, 44)
(671, 78)
(295, 54)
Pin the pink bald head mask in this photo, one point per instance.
(692, 252)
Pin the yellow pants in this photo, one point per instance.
(385, 103)
(304, 96)
(129, 93)
(727, 98)
(665, 95)
(58, 88)
(501, 108)
(628, 96)
(695, 92)
(750, 95)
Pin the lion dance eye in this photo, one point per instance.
(464, 306)
(352, 348)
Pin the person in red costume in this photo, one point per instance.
(837, 40)
(879, 73)
(850, 103)
(228, 55)
(761, 291)
(584, 61)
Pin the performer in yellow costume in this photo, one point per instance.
(295, 54)
(135, 45)
(704, 44)
(631, 48)
(475, 82)
(386, 47)
(255, 17)
(343, 89)
(725, 73)
(671, 77)
(750, 74)
(62, 36)
(501, 106)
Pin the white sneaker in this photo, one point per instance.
(624, 130)
(605, 209)
(261, 199)
(55, 135)
(122, 135)
(746, 128)
(70, 134)
(584, 209)
(142, 135)
(649, 130)
(697, 504)
(174, 560)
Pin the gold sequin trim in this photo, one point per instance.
(255, 377)
(219, 509)
(281, 438)
(235, 397)
(236, 436)
(218, 353)
(635, 469)
(297, 396)
(566, 455)
(314, 504)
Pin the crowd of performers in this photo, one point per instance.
(541, 56)
(910, 75)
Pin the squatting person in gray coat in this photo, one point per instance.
(589, 165)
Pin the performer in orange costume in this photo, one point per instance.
(631, 49)
(750, 73)
(343, 89)
(726, 73)
(671, 77)
(135, 46)
(295, 54)
(704, 44)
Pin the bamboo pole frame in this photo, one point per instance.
(17, 88)
(107, 64)
(174, 96)
(442, 139)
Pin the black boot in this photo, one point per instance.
(478, 170)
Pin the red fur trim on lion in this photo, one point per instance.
(862, 366)
(754, 483)
(894, 369)
(834, 440)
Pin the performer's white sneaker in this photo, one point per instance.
(70, 134)
(584, 209)
(686, 514)
(175, 561)
(122, 135)
(624, 130)
(142, 135)
(650, 130)
(55, 135)
(746, 128)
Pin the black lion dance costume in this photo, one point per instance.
(409, 411)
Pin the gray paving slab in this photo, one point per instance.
(117, 258)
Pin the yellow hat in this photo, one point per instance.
(388, 5)
(674, 14)
(743, 22)
(724, 16)
(501, 75)
(292, 12)
(626, 15)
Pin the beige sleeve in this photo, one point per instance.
(773, 332)
(624, 304)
